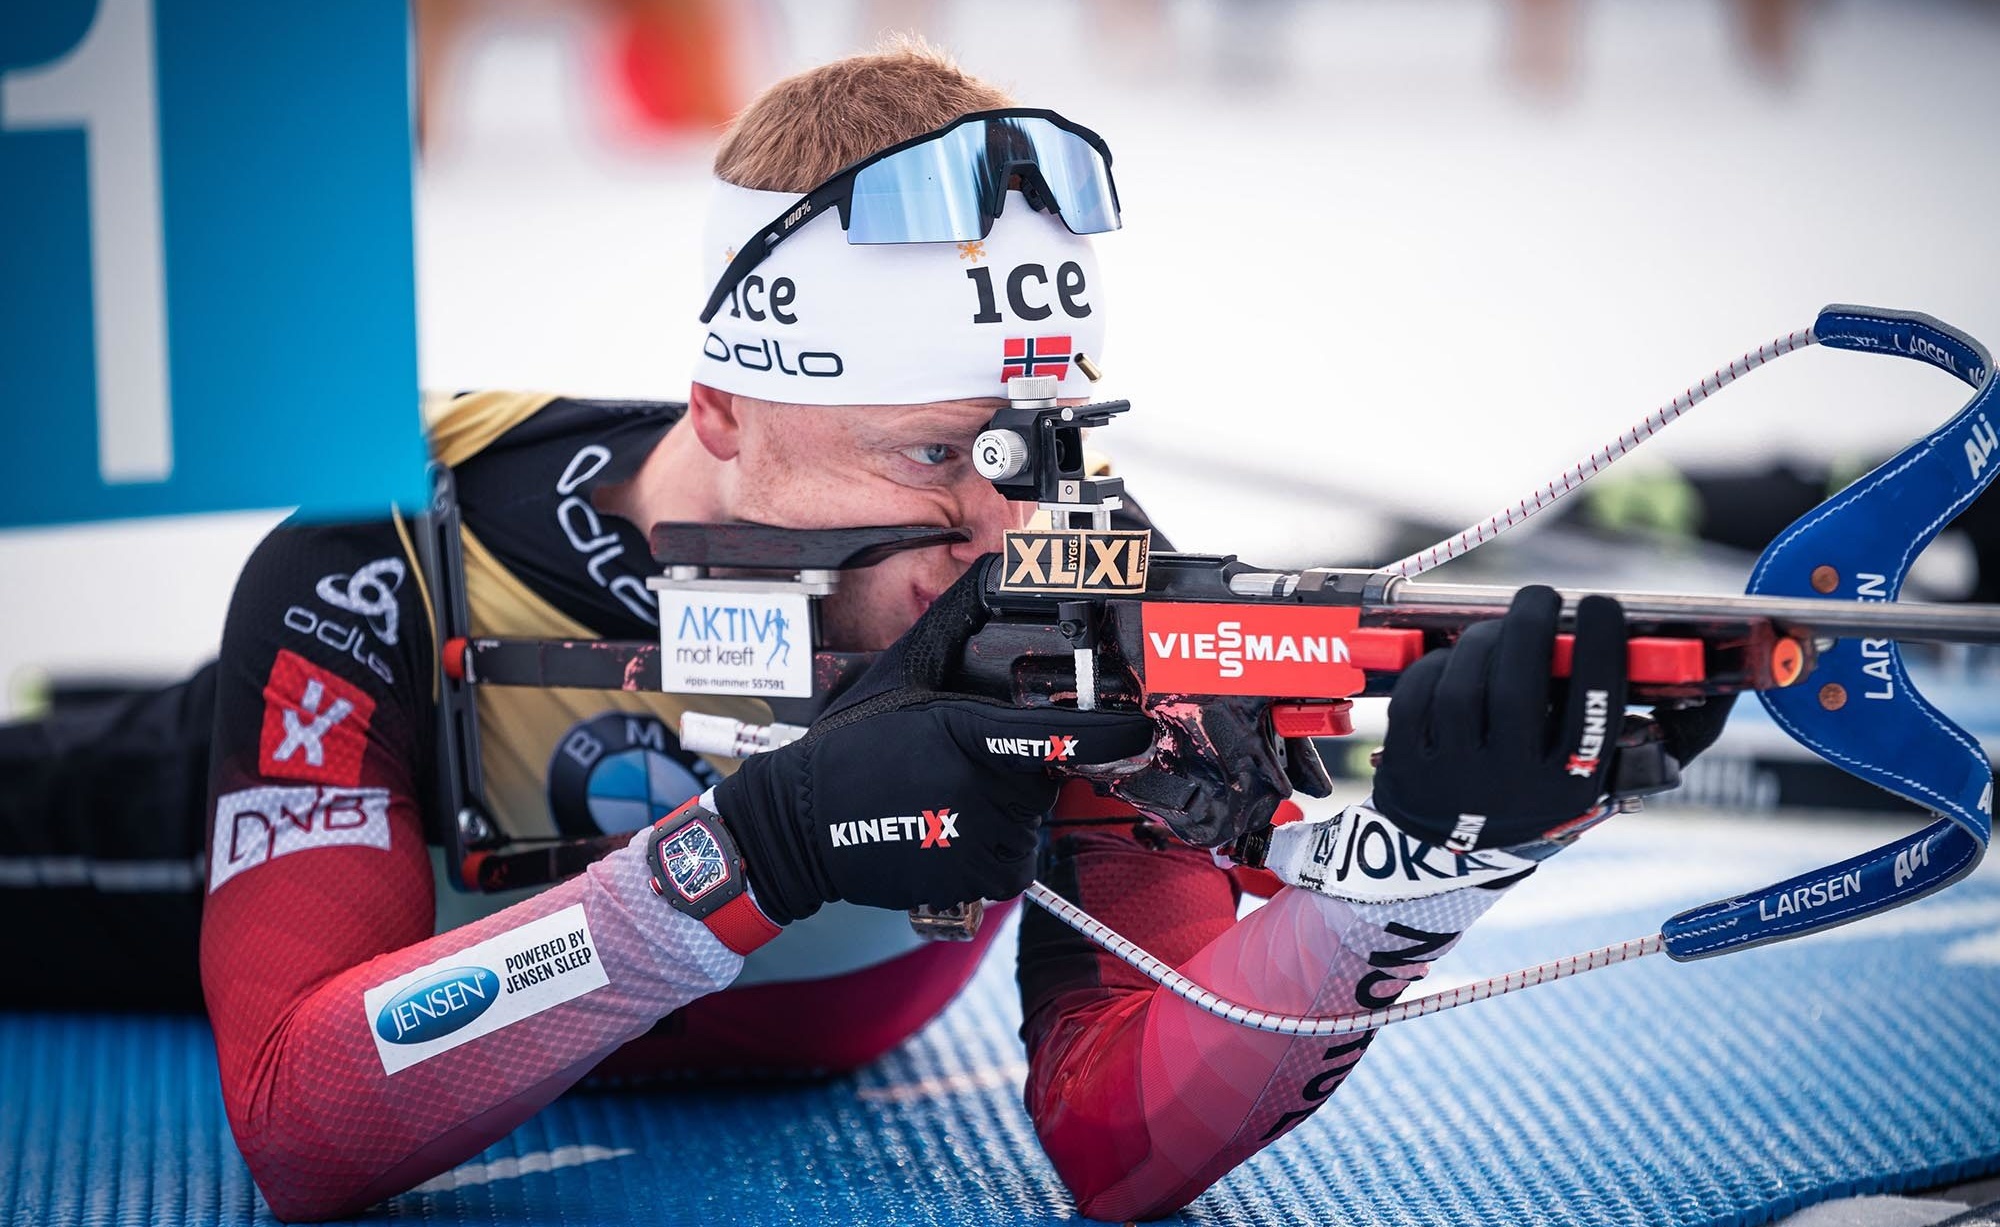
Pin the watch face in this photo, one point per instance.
(693, 861)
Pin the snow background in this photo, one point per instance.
(1363, 268)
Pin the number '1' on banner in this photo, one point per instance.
(206, 235)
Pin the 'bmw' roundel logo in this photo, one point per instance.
(619, 772)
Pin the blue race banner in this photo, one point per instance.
(206, 268)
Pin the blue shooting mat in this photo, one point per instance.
(1732, 1090)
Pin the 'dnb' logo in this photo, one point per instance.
(438, 1006)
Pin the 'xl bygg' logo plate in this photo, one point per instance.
(1284, 651)
(1076, 561)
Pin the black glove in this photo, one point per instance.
(1688, 731)
(905, 794)
(1484, 750)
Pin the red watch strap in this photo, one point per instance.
(741, 924)
(680, 809)
(738, 924)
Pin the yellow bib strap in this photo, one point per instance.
(460, 427)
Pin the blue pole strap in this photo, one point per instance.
(1858, 708)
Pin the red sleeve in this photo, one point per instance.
(1142, 1100)
(359, 1053)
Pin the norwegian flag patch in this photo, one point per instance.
(315, 724)
(1035, 356)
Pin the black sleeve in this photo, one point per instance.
(326, 676)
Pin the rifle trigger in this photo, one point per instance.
(1334, 719)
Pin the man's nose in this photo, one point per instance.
(987, 514)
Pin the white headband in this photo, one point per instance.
(823, 322)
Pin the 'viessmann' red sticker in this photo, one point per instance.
(1296, 651)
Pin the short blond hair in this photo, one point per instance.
(797, 133)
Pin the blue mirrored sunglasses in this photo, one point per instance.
(949, 185)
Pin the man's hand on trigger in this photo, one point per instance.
(1484, 748)
(934, 804)
(906, 793)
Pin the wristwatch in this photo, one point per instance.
(696, 868)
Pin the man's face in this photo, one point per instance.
(813, 466)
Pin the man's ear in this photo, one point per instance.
(717, 421)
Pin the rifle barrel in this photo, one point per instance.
(1827, 619)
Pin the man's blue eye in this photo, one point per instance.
(930, 453)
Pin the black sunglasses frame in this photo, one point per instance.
(838, 191)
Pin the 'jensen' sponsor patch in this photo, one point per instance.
(487, 986)
(446, 1002)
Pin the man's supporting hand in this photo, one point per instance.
(1485, 749)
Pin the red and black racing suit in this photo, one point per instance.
(321, 906)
